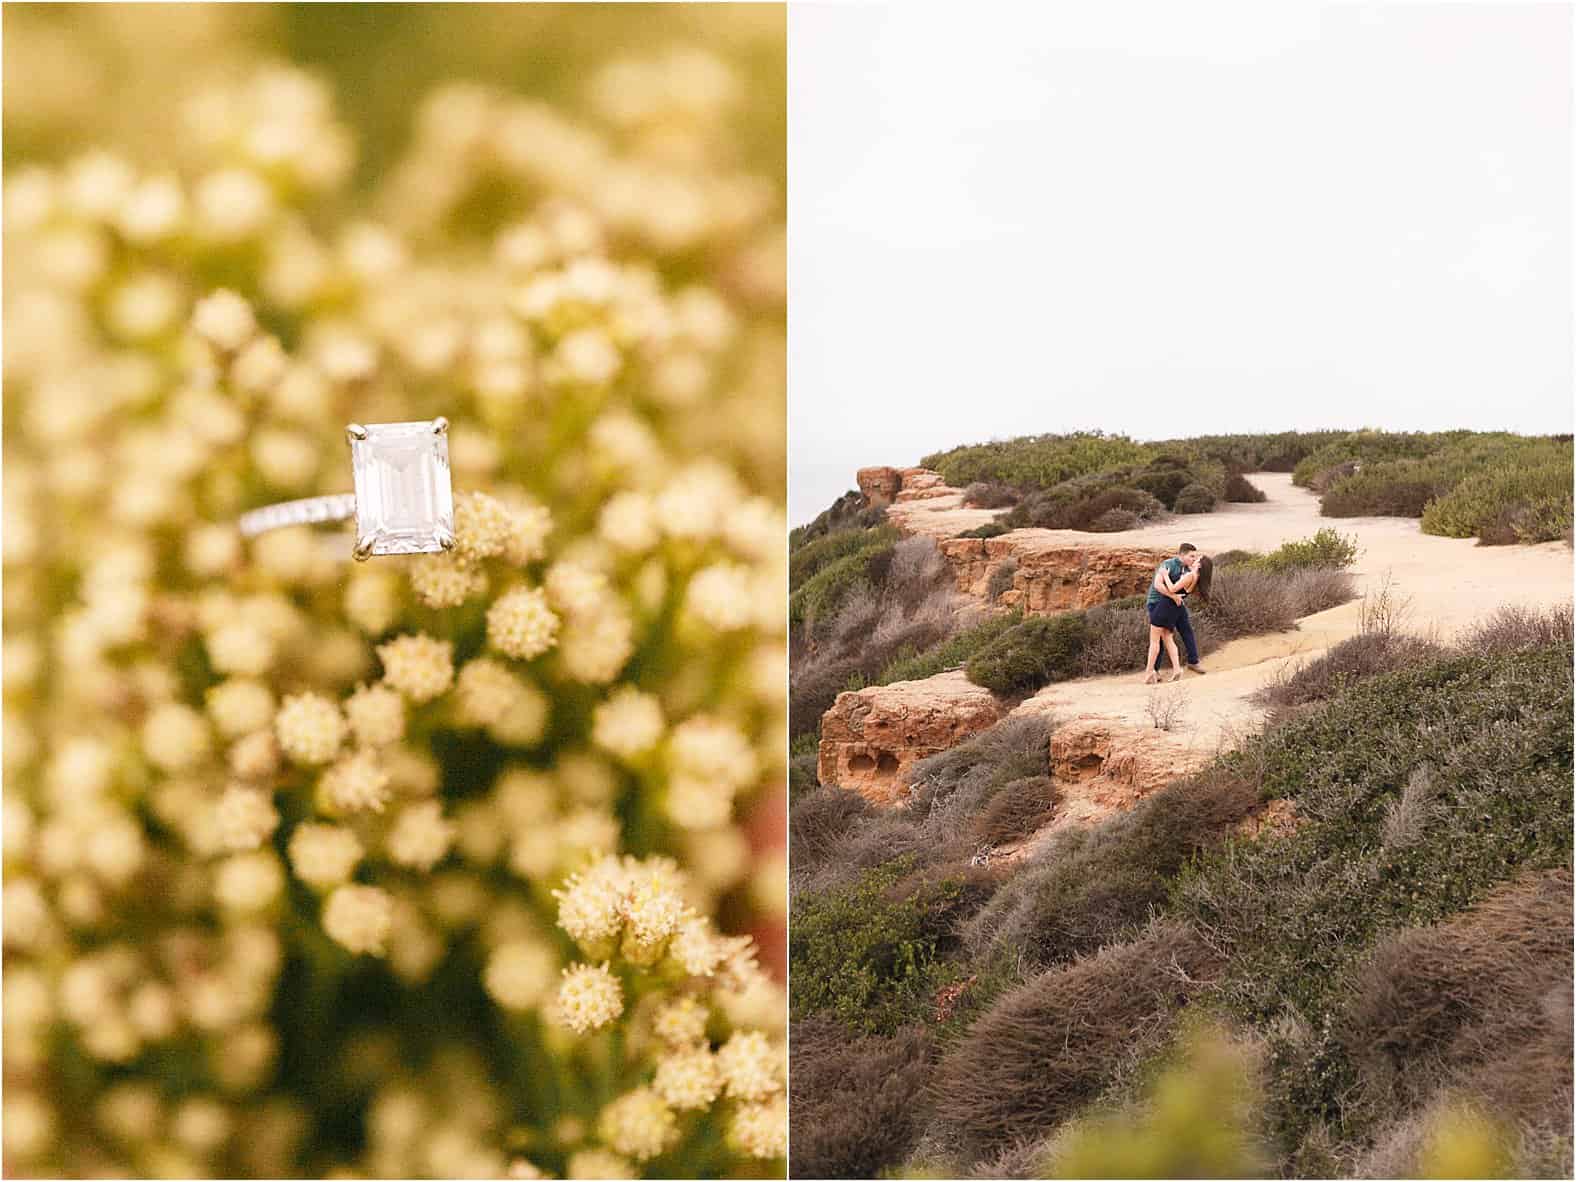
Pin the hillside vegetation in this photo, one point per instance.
(1378, 987)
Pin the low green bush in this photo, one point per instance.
(811, 558)
(1194, 498)
(951, 653)
(1039, 650)
(1035, 461)
(822, 593)
(1327, 548)
(848, 512)
(1513, 503)
(991, 529)
(1241, 490)
(864, 958)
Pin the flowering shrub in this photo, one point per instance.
(428, 866)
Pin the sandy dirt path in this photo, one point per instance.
(1448, 583)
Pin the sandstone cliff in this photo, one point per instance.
(1050, 576)
(872, 738)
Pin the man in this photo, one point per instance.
(1172, 569)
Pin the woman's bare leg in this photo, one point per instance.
(1154, 651)
(1171, 651)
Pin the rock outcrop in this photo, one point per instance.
(880, 486)
(872, 738)
(1050, 577)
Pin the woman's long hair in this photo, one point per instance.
(1206, 574)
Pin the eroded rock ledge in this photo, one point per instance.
(872, 738)
(1050, 577)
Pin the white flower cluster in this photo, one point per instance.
(276, 824)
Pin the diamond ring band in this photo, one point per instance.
(403, 503)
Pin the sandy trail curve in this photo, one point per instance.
(1448, 583)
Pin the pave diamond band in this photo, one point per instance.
(306, 511)
(402, 504)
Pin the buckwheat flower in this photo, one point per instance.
(688, 1078)
(175, 737)
(696, 947)
(653, 908)
(201, 1124)
(372, 601)
(376, 715)
(240, 706)
(694, 503)
(576, 589)
(723, 596)
(224, 319)
(761, 1130)
(285, 459)
(585, 831)
(232, 204)
(627, 522)
(420, 666)
(598, 1163)
(359, 918)
(255, 756)
(522, 1168)
(248, 882)
(709, 748)
(355, 783)
(749, 1064)
(520, 974)
(151, 211)
(521, 625)
(445, 580)
(593, 649)
(323, 855)
(589, 997)
(420, 836)
(639, 1124)
(591, 905)
(152, 1011)
(588, 357)
(481, 527)
(144, 306)
(411, 772)
(245, 817)
(697, 804)
(240, 647)
(29, 1124)
(310, 728)
(130, 1110)
(529, 525)
(259, 366)
(681, 1022)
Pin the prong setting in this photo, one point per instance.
(362, 550)
(355, 432)
(440, 426)
(445, 541)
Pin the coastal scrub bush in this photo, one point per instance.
(951, 653)
(989, 494)
(1195, 498)
(991, 529)
(823, 592)
(1039, 650)
(1114, 521)
(1241, 490)
(809, 559)
(848, 514)
(820, 820)
(1326, 548)
(1055, 1041)
(1512, 626)
(1018, 808)
(1077, 503)
(1091, 886)
(1515, 502)
(1001, 579)
(864, 958)
(1034, 461)
(1354, 659)
(854, 1098)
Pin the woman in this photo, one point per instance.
(1166, 610)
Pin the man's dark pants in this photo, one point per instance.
(1184, 629)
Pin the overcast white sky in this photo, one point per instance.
(1172, 219)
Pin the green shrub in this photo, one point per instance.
(848, 512)
(864, 958)
(813, 557)
(991, 529)
(1077, 503)
(1195, 498)
(822, 593)
(1036, 461)
(1402, 826)
(988, 494)
(1327, 548)
(1241, 490)
(1114, 521)
(1370, 447)
(1514, 503)
(1000, 579)
(951, 653)
(1039, 650)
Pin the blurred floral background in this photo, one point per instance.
(459, 865)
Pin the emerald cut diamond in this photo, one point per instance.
(404, 504)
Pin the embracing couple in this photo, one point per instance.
(1189, 572)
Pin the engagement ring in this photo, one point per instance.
(402, 504)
